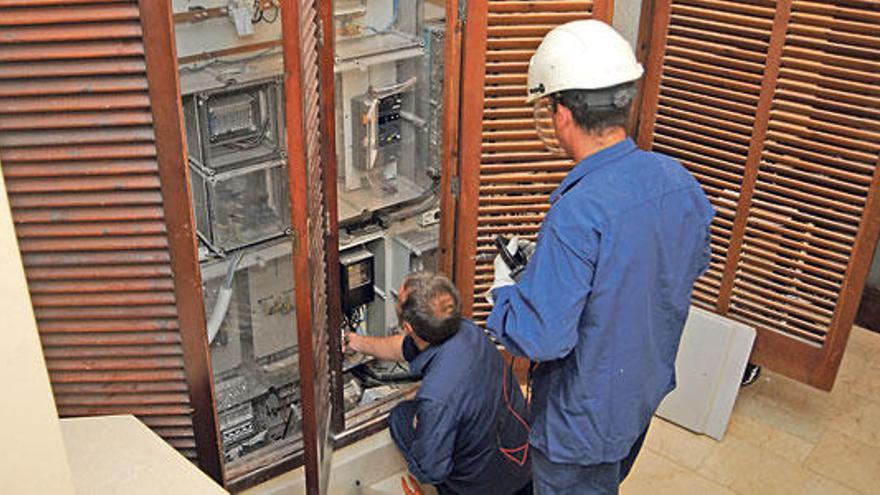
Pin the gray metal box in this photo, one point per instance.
(376, 141)
(235, 127)
(242, 206)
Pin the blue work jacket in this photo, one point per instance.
(463, 418)
(604, 298)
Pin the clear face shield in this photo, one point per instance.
(543, 116)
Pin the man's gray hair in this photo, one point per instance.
(432, 306)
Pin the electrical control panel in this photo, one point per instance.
(388, 69)
(254, 350)
(356, 279)
(238, 163)
(376, 134)
(234, 126)
(380, 57)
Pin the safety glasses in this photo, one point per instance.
(543, 116)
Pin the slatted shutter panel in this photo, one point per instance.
(95, 186)
(773, 106)
(304, 104)
(506, 174)
(705, 105)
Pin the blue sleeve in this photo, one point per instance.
(430, 455)
(538, 317)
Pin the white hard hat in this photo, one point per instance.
(581, 55)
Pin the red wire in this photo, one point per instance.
(524, 448)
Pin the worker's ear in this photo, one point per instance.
(407, 328)
(565, 126)
(562, 118)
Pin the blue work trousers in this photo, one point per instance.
(500, 477)
(551, 478)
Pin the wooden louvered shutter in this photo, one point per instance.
(306, 104)
(774, 106)
(505, 172)
(92, 153)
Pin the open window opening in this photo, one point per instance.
(389, 71)
(232, 89)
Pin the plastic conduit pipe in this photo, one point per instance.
(224, 296)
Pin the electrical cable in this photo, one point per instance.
(258, 12)
(287, 423)
(392, 89)
(354, 318)
(396, 373)
(425, 201)
(510, 453)
(274, 18)
(224, 61)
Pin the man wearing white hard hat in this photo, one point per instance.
(601, 305)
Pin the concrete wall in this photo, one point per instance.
(626, 19)
(33, 458)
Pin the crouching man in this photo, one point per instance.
(465, 431)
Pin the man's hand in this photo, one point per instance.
(503, 275)
(352, 342)
(389, 348)
(527, 247)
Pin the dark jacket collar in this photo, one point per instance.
(419, 365)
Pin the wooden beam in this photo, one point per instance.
(164, 89)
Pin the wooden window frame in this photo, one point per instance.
(814, 365)
(462, 259)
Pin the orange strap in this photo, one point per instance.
(411, 488)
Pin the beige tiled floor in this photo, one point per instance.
(784, 437)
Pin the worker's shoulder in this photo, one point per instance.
(630, 183)
(646, 167)
(470, 342)
(633, 177)
(469, 326)
(459, 361)
(670, 168)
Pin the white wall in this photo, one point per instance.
(33, 458)
(435, 9)
(874, 274)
